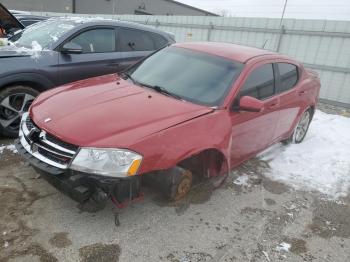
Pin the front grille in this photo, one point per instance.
(53, 157)
(47, 147)
(30, 124)
(61, 143)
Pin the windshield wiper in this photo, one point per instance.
(162, 90)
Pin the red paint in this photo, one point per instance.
(98, 112)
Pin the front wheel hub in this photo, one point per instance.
(184, 185)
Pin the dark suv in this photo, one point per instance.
(62, 50)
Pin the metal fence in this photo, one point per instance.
(322, 45)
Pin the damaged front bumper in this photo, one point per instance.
(51, 158)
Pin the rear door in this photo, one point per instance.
(254, 131)
(135, 44)
(99, 55)
(290, 94)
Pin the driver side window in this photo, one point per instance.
(101, 40)
(260, 83)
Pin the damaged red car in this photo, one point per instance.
(188, 110)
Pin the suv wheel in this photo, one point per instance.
(14, 101)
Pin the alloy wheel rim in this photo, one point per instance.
(302, 126)
(12, 108)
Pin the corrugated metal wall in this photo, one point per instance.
(321, 45)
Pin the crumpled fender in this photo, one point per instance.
(167, 148)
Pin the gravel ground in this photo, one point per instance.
(256, 220)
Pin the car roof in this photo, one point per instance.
(234, 52)
(100, 21)
(36, 17)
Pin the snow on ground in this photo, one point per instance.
(242, 180)
(320, 163)
(8, 147)
(283, 247)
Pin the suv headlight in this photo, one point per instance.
(107, 162)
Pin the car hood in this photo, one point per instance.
(13, 51)
(8, 21)
(100, 112)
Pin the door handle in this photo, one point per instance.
(303, 92)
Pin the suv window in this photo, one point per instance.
(260, 83)
(158, 40)
(100, 40)
(288, 76)
(134, 40)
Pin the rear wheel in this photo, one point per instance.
(300, 129)
(14, 101)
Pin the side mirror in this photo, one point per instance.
(71, 48)
(251, 104)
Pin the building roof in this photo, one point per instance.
(234, 52)
(192, 7)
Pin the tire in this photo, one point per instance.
(301, 129)
(173, 183)
(14, 101)
(181, 185)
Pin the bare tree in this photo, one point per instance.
(223, 12)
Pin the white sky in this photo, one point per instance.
(309, 9)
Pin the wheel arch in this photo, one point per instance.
(208, 162)
(33, 80)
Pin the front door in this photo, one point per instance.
(254, 131)
(99, 56)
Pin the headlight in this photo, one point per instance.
(107, 162)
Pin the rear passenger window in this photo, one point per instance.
(260, 83)
(134, 40)
(288, 76)
(159, 41)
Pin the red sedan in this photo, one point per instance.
(190, 109)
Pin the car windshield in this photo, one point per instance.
(191, 75)
(43, 33)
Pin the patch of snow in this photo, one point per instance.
(6, 244)
(2, 149)
(54, 38)
(36, 46)
(283, 247)
(66, 26)
(79, 19)
(320, 163)
(34, 51)
(242, 180)
(12, 148)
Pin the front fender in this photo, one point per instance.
(171, 146)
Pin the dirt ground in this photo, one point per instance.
(260, 220)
